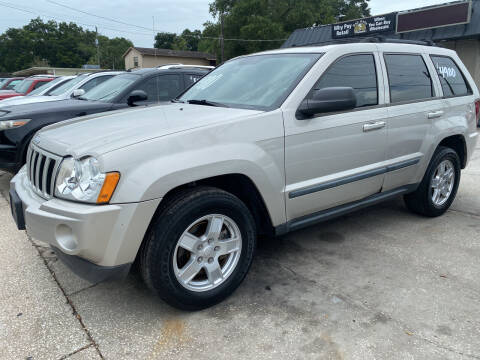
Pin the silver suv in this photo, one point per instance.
(265, 144)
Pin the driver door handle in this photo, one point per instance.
(373, 126)
(435, 114)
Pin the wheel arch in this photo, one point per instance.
(237, 184)
(458, 144)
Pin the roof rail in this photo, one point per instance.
(383, 39)
(373, 39)
(183, 66)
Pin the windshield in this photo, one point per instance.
(46, 87)
(69, 85)
(23, 86)
(107, 90)
(257, 82)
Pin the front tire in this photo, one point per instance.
(199, 248)
(439, 186)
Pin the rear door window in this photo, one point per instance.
(452, 80)
(408, 78)
(357, 72)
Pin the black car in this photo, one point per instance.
(18, 123)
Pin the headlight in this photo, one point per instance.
(11, 124)
(81, 180)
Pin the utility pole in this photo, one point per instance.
(222, 41)
(96, 44)
(153, 32)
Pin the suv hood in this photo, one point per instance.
(102, 133)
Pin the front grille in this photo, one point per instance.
(41, 170)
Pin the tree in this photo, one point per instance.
(165, 40)
(187, 40)
(110, 52)
(190, 39)
(272, 20)
(57, 44)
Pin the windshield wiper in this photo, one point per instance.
(206, 103)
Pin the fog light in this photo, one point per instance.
(65, 238)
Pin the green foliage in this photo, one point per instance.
(261, 20)
(187, 40)
(68, 45)
(165, 40)
(111, 52)
(272, 19)
(57, 44)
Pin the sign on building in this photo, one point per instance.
(364, 27)
(434, 17)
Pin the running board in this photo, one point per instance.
(328, 214)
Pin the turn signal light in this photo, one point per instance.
(109, 185)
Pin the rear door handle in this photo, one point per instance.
(435, 114)
(374, 126)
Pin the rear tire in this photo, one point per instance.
(199, 248)
(439, 186)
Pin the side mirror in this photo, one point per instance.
(136, 96)
(328, 100)
(77, 93)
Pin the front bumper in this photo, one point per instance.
(95, 241)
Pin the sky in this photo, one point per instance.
(163, 15)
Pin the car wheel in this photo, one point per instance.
(439, 186)
(199, 248)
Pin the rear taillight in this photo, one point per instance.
(477, 111)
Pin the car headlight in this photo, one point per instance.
(11, 124)
(81, 180)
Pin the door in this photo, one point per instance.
(337, 158)
(414, 105)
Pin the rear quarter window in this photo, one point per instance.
(451, 77)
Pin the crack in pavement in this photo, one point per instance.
(69, 301)
(76, 351)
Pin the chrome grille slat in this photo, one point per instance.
(32, 162)
(38, 161)
(29, 155)
(54, 176)
(44, 176)
(42, 168)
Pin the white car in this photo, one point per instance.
(44, 90)
(76, 87)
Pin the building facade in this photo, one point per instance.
(136, 57)
(454, 25)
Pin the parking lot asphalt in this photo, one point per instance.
(381, 283)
